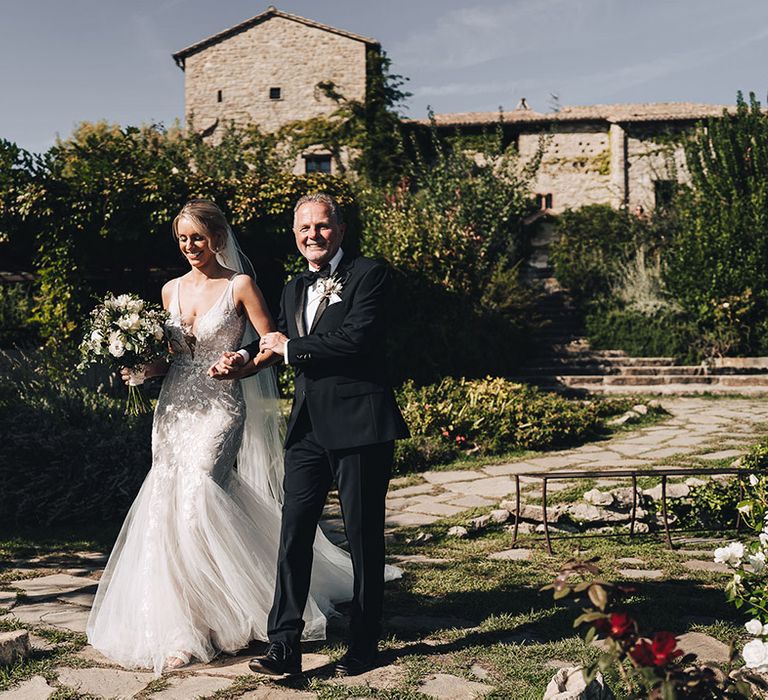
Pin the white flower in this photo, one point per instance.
(132, 322)
(731, 554)
(330, 286)
(763, 537)
(753, 480)
(96, 336)
(757, 562)
(745, 508)
(754, 627)
(158, 332)
(122, 301)
(116, 345)
(756, 655)
(135, 306)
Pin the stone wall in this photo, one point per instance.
(598, 163)
(648, 162)
(276, 53)
(575, 167)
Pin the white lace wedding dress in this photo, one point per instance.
(193, 570)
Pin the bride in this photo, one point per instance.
(193, 569)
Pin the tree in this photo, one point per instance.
(372, 127)
(718, 261)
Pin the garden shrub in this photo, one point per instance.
(491, 416)
(757, 457)
(709, 506)
(68, 453)
(663, 333)
(592, 242)
(16, 326)
(453, 233)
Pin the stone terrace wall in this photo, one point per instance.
(277, 52)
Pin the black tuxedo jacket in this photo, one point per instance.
(340, 362)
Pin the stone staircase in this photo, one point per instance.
(563, 360)
(580, 370)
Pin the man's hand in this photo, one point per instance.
(229, 366)
(273, 341)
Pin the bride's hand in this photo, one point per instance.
(228, 365)
(133, 376)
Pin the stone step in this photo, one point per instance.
(587, 380)
(638, 371)
(565, 362)
(659, 390)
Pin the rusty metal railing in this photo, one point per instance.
(632, 474)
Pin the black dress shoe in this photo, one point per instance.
(357, 660)
(281, 659)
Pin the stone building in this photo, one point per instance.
(623, 155)
(266, 71)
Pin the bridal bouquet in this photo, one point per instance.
(126, 331)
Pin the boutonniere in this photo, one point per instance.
(330, 288)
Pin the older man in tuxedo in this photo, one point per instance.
(343, 423)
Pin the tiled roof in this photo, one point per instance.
(270, 12)
(621, 113)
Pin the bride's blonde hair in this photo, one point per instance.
(207, 216)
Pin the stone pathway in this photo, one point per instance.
(697, 432)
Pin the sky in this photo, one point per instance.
(66, 61)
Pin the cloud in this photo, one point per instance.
(463, 88)
(471, 36)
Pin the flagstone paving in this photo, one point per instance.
(698, 431)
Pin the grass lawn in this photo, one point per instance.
(458, 613)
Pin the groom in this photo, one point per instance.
(342, 427)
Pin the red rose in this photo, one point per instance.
(642, 653)
(621, 625)
(616, 625)
(660, 652)
(665, 648)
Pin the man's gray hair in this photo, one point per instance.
(321, 198)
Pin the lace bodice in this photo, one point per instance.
(218, 329)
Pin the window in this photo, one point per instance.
(275, 93)
(317, 163)
(544, 201)
(664, 192)
(219, 96)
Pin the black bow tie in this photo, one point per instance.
(311, 276)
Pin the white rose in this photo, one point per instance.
(96, 336)
(116, 348)
(731, 554)
(132, 322)
(753, 480)
(754, 627)
(122, 301)
(757, 561)
(763, 537)
(135, 306)
(756, 655)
